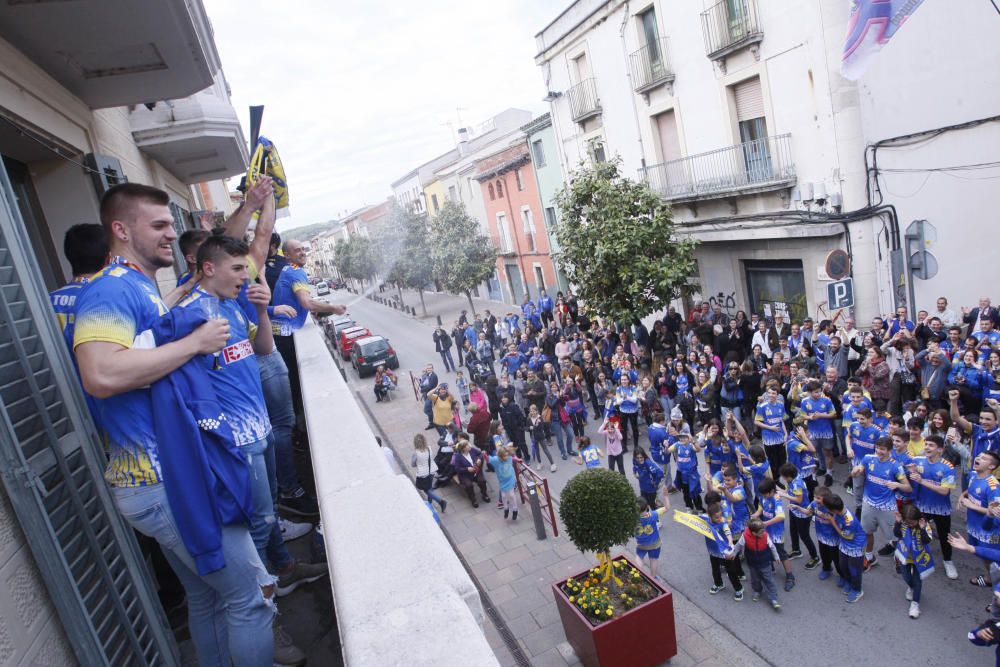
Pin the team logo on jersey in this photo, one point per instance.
(237, 351)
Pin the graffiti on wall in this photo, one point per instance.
(726, 302)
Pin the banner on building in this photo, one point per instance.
(871, 25)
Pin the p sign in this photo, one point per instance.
(840, 294)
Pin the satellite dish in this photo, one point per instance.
(838, 264)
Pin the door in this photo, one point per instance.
(777, 286)
(651, 36)
(514, 283)
(496, 294)
(756, 154)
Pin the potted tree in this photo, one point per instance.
(613, 614)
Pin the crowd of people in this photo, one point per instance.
(192, 393)
(869, 439)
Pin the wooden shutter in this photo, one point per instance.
(52, 465)
(670, 145)
(749, 100)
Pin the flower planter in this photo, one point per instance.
(643, 636)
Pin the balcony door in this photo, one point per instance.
(738, 14)
(581, 68)
(515, 283)
(651, 35)
(672, 175)
(749, 99)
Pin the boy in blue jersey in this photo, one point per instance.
(721, 553)
(883, 477)
(685, 453)
(818, 411)
(851, 543)
(986, 434)
(589, 455)
(770, 419)
(731, 488)
(796, 497)
(860, 441)
(658, 444)
(757, 469)
(933, 479)
(825, 534)
(979, 500)
(771, 511)
(647, 538)
(802, 453)
(85, 247)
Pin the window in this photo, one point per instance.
(506, 245)
(550, 218)
(528, 223)
(452, 195)
(596, 149)
(539, 278)
(538, 152)
(651, 35)
(749, 102)
(434, 203)
(500, 189)
(492, 193)
(517, 177)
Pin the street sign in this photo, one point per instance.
(840, 294)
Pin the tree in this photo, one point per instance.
(463, 256)
(356, 258)
(599, 511)
(404, 244)
(618, 244)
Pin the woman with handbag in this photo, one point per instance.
(421, 459)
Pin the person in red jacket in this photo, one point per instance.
(760, 554)
(479, 428)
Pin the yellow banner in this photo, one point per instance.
(695, 523)
(265, 161)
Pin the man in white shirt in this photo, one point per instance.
(947, 316)
(848, 334)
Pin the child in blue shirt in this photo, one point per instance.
(685, 453)
(503, 466)
(796, 498)
(825, 534)
(757, 470)
(819, 414)
(648, 474)
(852, 539)
(771, 511)
(589, 454)
(647, 538)
(721, 553)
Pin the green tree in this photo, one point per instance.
(599, 511)
(404, 244)
(463, 255)
(618, 244)
(356, 258)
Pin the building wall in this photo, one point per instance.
(549, 178)
(434, 189)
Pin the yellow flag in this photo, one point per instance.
(265, 161)
(695, 523)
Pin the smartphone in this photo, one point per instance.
(953, 434)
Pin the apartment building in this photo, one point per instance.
(545, 162)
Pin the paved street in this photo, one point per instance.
(814, 627)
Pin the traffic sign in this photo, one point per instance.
(840, 294)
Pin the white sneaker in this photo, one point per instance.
(914, 610)
(949, 570)
(552, 468)
(909, 593)
(538, 466)
(293, 531)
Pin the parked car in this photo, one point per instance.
(370, 352)
(337, 284)
(322, 289)
(347, 338)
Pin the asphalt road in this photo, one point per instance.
(815, 625)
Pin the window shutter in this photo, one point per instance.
(52, 465)
(749, 100)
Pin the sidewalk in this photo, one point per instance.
(514, 570)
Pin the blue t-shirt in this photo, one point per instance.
(627, 399)
(863, 440)
(877, 475)
(505, 472)
(119, 305)
(903, 459)
(723, 536)
(818, 428)
(237, 380)
(657, 441)
(929, 501)
(824, 531)
(800, 456)
(984, 490)
(591, 456)
(770, 508)
(798, 488)
(758, 472)
(648, 535)
(741, 514)
(718, 453)
(983, 440)
(63, 302)
(291, 281)
(772, 415)
(854, 537)
(686, 456)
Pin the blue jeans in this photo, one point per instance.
(563, 434)
(666, 404)
(278, 398)
(264, 527)
(449, 363)
(228, 614)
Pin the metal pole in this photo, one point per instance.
(536, 510)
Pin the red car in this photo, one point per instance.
(347, 338)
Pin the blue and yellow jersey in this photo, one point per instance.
(825, 533)
(770, 508)
(63, 302)
(853, 536)
(237, 380)
(772, 414)
(818, 428)
(291, 282)
(863, 440)
(591, 456)
(942, 473)
(119, 305)
(983, 490)
(878, 474)
(648, 535)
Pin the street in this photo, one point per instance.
(815, 626)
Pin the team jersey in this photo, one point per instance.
(683, 386)
(798, 488)
(718, 453)
(741, 514)
(863, 440)
(818, 428)
(119, 305)
(852, 541)
(943, 473)
(758, 472)
(993, 337)
(291, 281)
(686, 456)
(772, 415)
(723, 536)
(877, 475)
(825, 533)
(648, 535)
(63, 302)
(983, 490)
(850, 414)
(770, 508)
(904, 459)
(591, 456)
(983, 440)
(800, 456)
(237, 380)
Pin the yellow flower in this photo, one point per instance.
(572, 599)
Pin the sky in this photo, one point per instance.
(358, 93)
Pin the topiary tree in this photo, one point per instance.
(599, 511)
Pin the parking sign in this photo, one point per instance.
(840, 294)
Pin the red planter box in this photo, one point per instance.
(644, 636)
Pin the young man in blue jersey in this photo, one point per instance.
(986, 434)
(819, 413)
(933, 479)
(230, 609)
(770, 419)
(979, 500)
(796, 498)
(883, 476)
(860, 442)
(86, 249)
(647, 538)
(852, 540)
(771, 510)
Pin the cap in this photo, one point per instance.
(676, 414)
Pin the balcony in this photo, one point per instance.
(729, 26)
(584, 102)
(651, 66)
(197, 138)
(762, 165)
(113, 53)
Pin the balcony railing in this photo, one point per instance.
(584, 102)
(651, 66)
(757, 166)
(730, 25)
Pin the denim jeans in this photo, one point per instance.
(563, 435)
(666, 404)
(449, 363)
(278, 398)
(264, 527)
(228, 615)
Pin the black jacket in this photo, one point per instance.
(442, 341)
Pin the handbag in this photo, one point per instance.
(546, 414)
(925, 393)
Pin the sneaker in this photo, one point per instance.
(849, 490)
(949, 570)
(812, 563)
(552, 468)
(887, 550)
(794, 553)
(909, 594)
(755, 597)
(824, 575)
(914, 610)
(789, 583)
(828, 480)
(869, 564)
(775, 605)
(293, 531)
(299, 504)
(285, 650)
(854, 596)
(715, 589)
(738, 595)
(302, 573)
(564, 457)
(429, 427)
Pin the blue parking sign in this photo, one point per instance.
(840, 294)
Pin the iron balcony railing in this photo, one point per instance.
(753, 164)
(583, 100)
(729, 24)
(651, 66)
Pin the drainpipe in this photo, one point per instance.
(631, 95)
